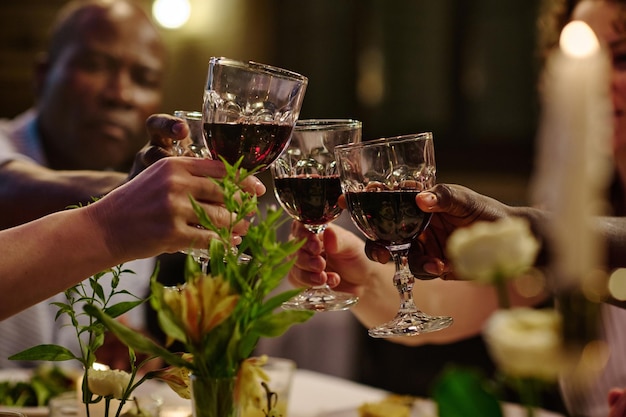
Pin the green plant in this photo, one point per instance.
(219, 317)
(90, 332)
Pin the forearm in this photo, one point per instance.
(47, 256)
(29, 191)
(612, 230)
(378, 298)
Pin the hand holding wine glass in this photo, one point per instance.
(380, 180)
(307, 185)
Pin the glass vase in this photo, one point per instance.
(213, 397)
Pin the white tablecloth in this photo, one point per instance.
(318, 395)
(314, 394)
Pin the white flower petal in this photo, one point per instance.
(486, 251)
(526, 342)
(108, 383)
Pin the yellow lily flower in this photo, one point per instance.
(177, 378)
(201, 304)
(249, 389)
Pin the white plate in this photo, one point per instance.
(15, 375)
(21, 375)
(28, 411)
(151, 389)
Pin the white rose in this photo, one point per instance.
(486, 251)
(526, 342)
(108, 382)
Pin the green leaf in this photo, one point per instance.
(276, 301)
(118, 309)
(192, 267)
(276, 324)
(464, 393)
(42, 393)
(135, 340)
(97, 288)
(170, 327)
(44, 353)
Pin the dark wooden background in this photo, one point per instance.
(463, 69)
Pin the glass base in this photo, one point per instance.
(321, 299)
(411, 324)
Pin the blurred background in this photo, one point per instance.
(465, 70)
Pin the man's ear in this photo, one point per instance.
(41, 67)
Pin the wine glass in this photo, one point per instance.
(380, 180)
(249, 110)
(195, 146)
(307, 185)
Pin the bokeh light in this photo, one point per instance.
(594, 356)
(617, 284)
(171, 14)
(530, 284)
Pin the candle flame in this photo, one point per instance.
(578, 40)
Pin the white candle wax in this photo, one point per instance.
(573, 165)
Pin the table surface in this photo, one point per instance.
(312, 395)
(319, 395)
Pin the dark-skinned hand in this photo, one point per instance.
(452, 206)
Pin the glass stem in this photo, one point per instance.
(318, 230)
(403, 280)
(204, 265)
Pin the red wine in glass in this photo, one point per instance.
(258, 143)
(249, 110)
(310, 200)
(389, 217)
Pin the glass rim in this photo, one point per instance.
(188, 114)
(423, 136)
(253, 65)
(307, 125)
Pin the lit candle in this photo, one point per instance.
(574, 165)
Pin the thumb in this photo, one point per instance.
(162, 128)
(341, 243)
(445, 198)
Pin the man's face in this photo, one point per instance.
(98, 92)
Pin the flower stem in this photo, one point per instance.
(502, 291)
(528, 395)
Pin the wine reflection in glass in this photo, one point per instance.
(249, 111)
(194, 145)
(307, 185)
(380, 180)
